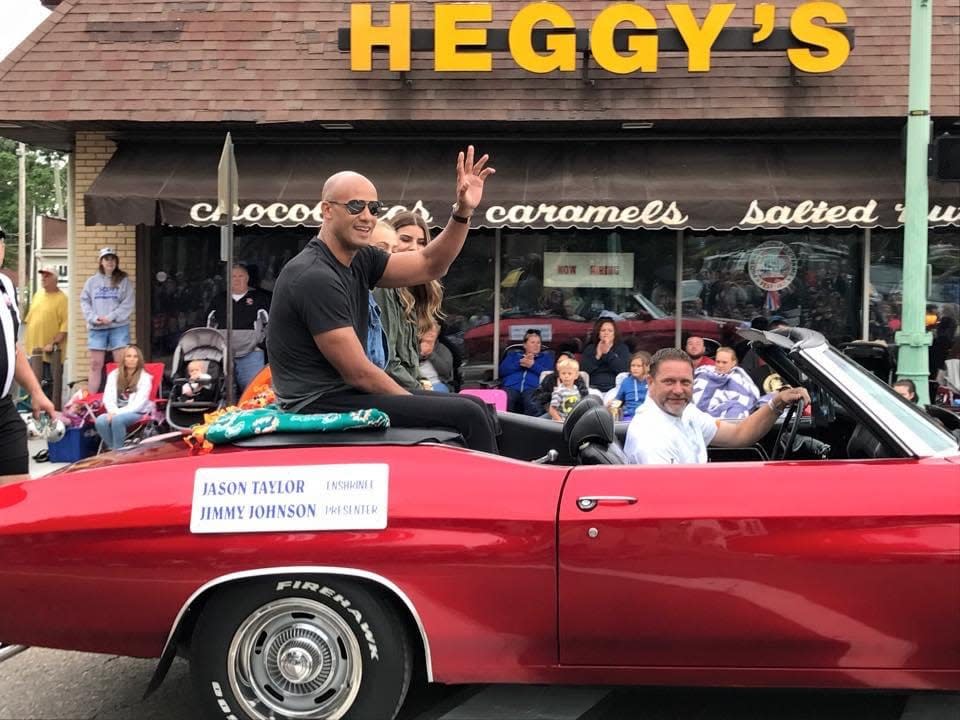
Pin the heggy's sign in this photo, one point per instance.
(624, 38)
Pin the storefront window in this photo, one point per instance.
(186, 274)
(943, 290)
(561, 281)
(810, 278)
(468, 301)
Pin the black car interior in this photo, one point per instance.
(832, 429)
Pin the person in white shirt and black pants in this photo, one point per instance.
(14, 459)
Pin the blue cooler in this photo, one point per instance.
(77, 444)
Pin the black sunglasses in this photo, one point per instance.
(355, 207)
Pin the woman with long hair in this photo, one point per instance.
(408, 312)
(126, 397)
(421, 303)
(107, 303)
(606, 356)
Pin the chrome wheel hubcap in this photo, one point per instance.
(294, 658)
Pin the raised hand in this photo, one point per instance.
(471, 176)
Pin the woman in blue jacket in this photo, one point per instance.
(520, 373)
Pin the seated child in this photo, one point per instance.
(566, 394)
(543, 393)
(197, 388)
(633, 390)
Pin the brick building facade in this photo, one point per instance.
(91, 153)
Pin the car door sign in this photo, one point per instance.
(291, 498)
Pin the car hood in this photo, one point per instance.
(163, 447)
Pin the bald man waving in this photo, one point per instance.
(320, 308)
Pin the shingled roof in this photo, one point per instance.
(277, 61)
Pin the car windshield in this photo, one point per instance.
(904, 420)
(646, 305)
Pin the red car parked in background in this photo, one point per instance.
(643, 327)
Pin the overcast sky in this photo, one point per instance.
(18, 18)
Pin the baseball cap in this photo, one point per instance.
(48, 269)
(106, 251)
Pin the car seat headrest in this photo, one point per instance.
(863, 444)
(595, 425)
(579, 410)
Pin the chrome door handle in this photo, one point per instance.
(589, 502)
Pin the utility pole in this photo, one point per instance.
(913, 360)
(61, 210)
(227, 194)
(22, 230)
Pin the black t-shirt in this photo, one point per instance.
(244, 310)
(245, 339)
(315, 293)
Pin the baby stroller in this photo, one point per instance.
(190, 400)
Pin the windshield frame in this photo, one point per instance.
(905, 423)
(646, 304)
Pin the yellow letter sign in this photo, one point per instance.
(823, 47)
(699, 39)
(447, 37)
(562, 48)
(835, 43)
(643, 48)
(395, 35)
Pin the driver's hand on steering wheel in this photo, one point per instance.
(789, 396)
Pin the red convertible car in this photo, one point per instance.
(312, 576)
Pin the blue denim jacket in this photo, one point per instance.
(376, 339)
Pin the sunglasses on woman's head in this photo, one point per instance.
(355, 207)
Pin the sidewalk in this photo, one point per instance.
(37, 469)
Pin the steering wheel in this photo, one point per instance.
(782, 449)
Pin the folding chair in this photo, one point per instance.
(584, 375)
(261, 380)
(492, 396)
(610, 394)
(137, 430)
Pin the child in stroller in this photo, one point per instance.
(198, 385)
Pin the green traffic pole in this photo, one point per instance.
(913, 340)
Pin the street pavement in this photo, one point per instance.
(41, 684)
(38, 469)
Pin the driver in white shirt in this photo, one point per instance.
(669, 429)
